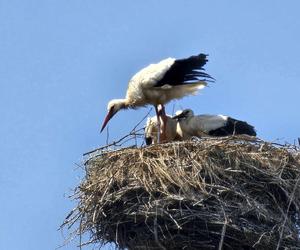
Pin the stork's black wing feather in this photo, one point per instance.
(185, 71)
(234, 126)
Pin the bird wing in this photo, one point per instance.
(230, 127)
(207, 123)
(147, 78)
(150, 75)
(185, 71)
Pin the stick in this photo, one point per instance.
(132, 132)
(286, 215)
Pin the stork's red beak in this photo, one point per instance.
(109, 115)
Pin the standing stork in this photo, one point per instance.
(159, 83)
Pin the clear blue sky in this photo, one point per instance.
(61, 61)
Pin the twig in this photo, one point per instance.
(142, 120)
(259, 240)
(133, 132)
(288, 208)
(111, 144)
(173, 109)
(80, 233)
(155, 232)
(223, 229)
(107, 134)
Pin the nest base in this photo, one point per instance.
(227, 193)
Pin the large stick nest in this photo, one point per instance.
(225, 193)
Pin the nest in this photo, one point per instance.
(224, 193)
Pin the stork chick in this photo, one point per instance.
(214, 125)
(152, 132)
(184, 125)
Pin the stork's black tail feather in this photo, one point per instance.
(234, 127)
(186, 71)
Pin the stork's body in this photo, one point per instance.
(184, 125)
(160, 83)
(214, 125)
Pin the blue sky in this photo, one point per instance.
(61, 61)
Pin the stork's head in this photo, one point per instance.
(151, 130)
(113, 107)
(183, 114)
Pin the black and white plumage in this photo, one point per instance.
(213, 125)
(159, 83)
(184, 125)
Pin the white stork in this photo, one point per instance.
(152, 132)
(160, 83)
(185, 125)
(214, 125)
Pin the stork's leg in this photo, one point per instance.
(163, 122)
(158, 124)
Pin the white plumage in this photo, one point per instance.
(160, 83)
(189, 125)
(142, 89)
(151, 130)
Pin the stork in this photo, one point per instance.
(159, 83)
(152, 132)
(214, 125)
(185, 125)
